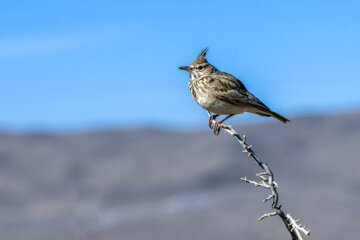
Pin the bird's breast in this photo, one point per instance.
(209, 102)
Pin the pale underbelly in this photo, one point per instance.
(218, 107)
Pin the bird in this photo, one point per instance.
(222, 94)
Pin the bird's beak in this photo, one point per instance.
(185, 68)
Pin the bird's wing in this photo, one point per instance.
(228, 88)
(228, 77)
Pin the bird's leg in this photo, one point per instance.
(226, 118)
(212, 118)
(216, 125)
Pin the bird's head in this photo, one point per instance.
(200, 66)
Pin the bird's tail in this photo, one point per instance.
(279, 117)
(269, 113)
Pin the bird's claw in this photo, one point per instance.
(212, 119)
(213, 124)
(216, 127)
(210, 122)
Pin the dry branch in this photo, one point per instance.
(266, 181)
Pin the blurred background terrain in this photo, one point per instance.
(152, 184)
(100, 138)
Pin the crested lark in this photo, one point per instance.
(221, 93)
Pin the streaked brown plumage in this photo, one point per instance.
(221, 93)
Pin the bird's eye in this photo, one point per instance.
(200, 67)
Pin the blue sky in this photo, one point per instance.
(80, 64)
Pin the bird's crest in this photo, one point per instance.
(201, 57)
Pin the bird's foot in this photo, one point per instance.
(216, 127)
(212, 118)
(213, 124)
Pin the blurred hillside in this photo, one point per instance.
(149, 184)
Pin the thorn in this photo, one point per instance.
(267, 215)
(261, 174)
(262, 178)
(268, 198)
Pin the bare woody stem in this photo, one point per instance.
(267, 181)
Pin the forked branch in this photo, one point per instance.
(266, 180)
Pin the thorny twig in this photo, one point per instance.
(267, 181)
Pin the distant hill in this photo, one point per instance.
(150, 184)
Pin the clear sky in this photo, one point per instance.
(79, 64)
